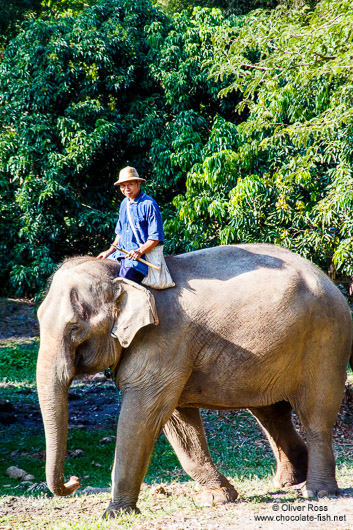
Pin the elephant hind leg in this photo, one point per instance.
(186, 435)
(318, 416)
(287, 445)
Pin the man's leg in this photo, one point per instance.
(130, 273)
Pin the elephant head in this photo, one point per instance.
(86, 319)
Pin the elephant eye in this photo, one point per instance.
(74, 328)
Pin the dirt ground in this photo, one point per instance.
(71, 512)
(17, 319)
(17, 322)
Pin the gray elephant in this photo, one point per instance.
(248, 326)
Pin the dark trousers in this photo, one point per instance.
(130, 273)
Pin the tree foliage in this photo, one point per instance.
(191, 102)
(284, 174)
(80, 97)
(235, 7)
(242, 125)
(71, 93)
(12, 13)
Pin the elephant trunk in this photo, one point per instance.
(53, 400)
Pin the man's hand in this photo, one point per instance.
(134, 254)
(146, 247)
(104, 255)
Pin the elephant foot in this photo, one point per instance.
(310, 490)
(214, 496)
(114, 510)
(286, 478)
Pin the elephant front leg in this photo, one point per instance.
(138, 427)
(186, 434)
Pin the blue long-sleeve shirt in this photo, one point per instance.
(148, 224)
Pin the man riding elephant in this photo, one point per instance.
(139, 228)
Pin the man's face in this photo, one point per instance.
(130, 189)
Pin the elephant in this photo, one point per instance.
(250, 326)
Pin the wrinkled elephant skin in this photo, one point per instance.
(248, 326)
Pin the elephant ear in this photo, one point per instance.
(135, 308)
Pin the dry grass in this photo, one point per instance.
(177, 509)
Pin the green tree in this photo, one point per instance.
(66, 7)
(287, 177)
(235, 7)
(12, 13)
(179, 64)
(243, 123)
(81, 97)
(72, 92)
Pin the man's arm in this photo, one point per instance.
(111, 249)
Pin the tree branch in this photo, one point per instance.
(253, 66)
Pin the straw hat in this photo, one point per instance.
(127, 174)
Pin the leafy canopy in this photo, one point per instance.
(72, 90)
(283, 174)
(242, 125)
(81, 97)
